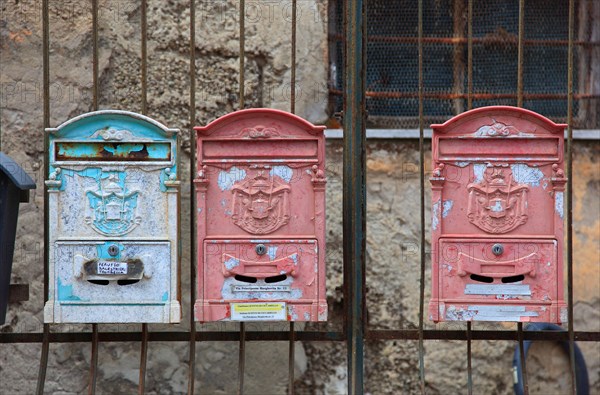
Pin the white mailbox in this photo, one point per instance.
(113, 220)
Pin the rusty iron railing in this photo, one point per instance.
(355, 330)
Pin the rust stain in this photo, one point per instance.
(19, 36)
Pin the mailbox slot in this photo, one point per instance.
(141, 151)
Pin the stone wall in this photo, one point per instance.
(393, 204)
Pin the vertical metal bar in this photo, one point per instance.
(94, 360)
(469, 107)
(143, 359)
(46, 91)
(192, 342)
(520, 53)
(422, 200)
(144, 57)
(242, 351)
(570, 197)
(144, 27)
(95, 54)
(242, 359)
(242, 51)
(520, 61)
(469, 359)
(354, 189)
(292, 341)
(522, 358)
(470, 55)
(293, 81)
(292, 350)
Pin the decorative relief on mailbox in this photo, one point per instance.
(497, 204)
(497, 217)
(260, 192)
(113, 207)
(261, 204)
(113, 220)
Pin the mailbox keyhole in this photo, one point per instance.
(497, 249)
(261, 249)
(113, 250)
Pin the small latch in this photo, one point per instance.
(261, 249)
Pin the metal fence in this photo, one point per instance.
(353, 48)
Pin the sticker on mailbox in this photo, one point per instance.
(273, 311)
(108, 267)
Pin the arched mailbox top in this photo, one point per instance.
(260, 123)
(113, 125)
(499, 121)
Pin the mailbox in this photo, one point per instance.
(113, 220)
(260, 190)
(497, 217)
(14, 189)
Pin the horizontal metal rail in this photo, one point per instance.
(475, 96)
(401, 334)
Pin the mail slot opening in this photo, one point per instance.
(482, 279)
(127, 282)
(245, 279)
(513, 279)
(98, 282)
(275, 279)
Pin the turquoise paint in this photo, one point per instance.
(165, 296)
(159, 151)
(163, 177)
(65, 292)
(123, 149)
(102, 250)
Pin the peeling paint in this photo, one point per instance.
(559, 204)
(65, 292)
(462, 164)
(435, 215)
(497, 207)
(165, 296)
(227, 179)
(272, 252)
(284, 172)
(524, 174)
(478, 170)
(231, 263)
(446, 207)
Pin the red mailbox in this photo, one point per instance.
(497, 217)
(260, 190)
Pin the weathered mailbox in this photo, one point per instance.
(497, 217)
(14, 189)
(113, 220)
(260, 191)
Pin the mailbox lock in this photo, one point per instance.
(113, 250)
(261, 249)
(497, 249)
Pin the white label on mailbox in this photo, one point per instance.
(108, 267)
(271, 311)
(260, 288)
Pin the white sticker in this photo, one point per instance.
(108, 267)
(260, 288)
(270, 311)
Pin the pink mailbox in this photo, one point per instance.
(497, 217)
(260, 190)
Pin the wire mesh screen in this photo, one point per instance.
(392, 69)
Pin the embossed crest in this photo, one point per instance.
(261, 204)
(113, 208)
(497, 204)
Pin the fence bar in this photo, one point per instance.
(46, 92)
(242, 358)
(422, 201)
(354, 190)
(570, 197)
(143, 359)
(94, 361)
(144, 64)
(203, 336)
(192, 334)
(292, 343)
(522, 358)
(469, 107)
(242, 52)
